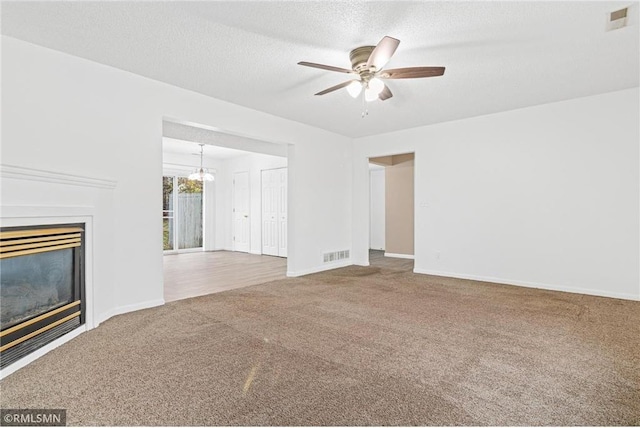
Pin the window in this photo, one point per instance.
(182, 212)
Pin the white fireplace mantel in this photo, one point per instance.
(24, 173)
(25, 191)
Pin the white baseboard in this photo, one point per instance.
(328, 266)
(400, 256)
(130, 308)
(529, 284)
(11, 368)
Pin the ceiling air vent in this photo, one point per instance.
(617, 19)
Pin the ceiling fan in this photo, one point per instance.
(367, 63)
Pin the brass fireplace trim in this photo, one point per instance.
(37, 332)
(32, 241)
(25, 233)
(38, 239)
(39, 318)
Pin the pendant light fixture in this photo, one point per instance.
(201, 174)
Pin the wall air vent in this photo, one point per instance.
(617, 19)
(336, 255)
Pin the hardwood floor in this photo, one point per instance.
(195, 274)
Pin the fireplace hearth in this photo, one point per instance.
(41, 286)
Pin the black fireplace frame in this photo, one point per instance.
(14, 353)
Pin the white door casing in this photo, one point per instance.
(377, 223)
(241, 219)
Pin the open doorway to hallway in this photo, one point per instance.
(244, 226)
(391, 210)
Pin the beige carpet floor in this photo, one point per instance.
(354, 346)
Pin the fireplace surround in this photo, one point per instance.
(42, 286)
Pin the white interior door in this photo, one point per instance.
(269, 213)
(241, 220)
(274, 212)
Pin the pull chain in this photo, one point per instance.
(365, 110)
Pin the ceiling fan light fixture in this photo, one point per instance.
(370, 95)
(354, 88)
(376, 85)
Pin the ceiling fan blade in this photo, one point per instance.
(325, 67)
(385, 94)
(383, 52)
(411, 72)
(335, 88)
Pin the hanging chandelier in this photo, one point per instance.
(201, 174)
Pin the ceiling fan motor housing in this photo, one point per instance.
(359, 57)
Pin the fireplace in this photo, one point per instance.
(41, 286)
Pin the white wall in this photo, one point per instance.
(546, 196)
(253, 163)
(376, 209)
(69, 115)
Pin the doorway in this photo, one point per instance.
(391, 208)
(231, 255)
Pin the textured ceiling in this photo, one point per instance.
(498, 55)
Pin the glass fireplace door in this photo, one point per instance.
(35, 284)
(41, 286)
